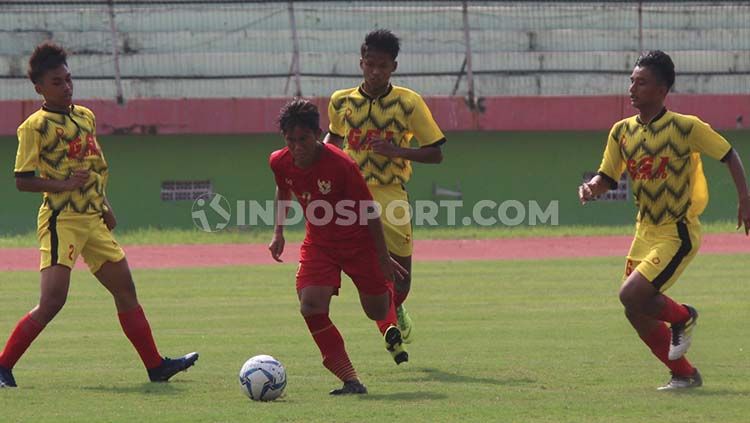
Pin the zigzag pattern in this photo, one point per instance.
(405, 108)
(672, 123)
(355, 123)
(367, 160)
(667, 144)
(387, 124)
(385, 181)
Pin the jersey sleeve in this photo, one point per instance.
(27, 156)
(423, 126)
(273, 163)
(703, 139)
(613, 164)
(336, 126)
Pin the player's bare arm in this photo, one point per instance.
(427, 154)
(109, 215)
(334, 139)
(76, 180)
(588, 190)
(276, 247)
(734, 163)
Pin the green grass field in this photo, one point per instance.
(496, 341)
(154, 236)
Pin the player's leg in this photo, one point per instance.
(396, 218)
(59, 239)
(640, 300)
(402, 288)
(106, 260)
(318, 279)
(54, 292)
(314, 305)
(664, 252)
(376, 294)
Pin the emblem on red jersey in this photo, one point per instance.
(288, 181)
(324, 186)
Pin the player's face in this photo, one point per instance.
(303, 144)
(56, 86)
(377, 68)
(645, 89)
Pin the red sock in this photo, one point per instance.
(331, 346)
(390, 318)
(27, 329)
(136, 328)
(658, 341)
(673, 312)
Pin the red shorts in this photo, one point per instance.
(322, 266)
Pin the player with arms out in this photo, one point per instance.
(59, 141)
(323, 177)
(660, 150)
(375, 124)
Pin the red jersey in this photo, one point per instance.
(332, 193)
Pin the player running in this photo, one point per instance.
(343, 233)
(375, 124)
(660, 150)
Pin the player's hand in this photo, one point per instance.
(585, 193)
(399, 271)
(110, 220)
(386, 267)
(76, 180)
(384, 148)
(743, 214)
(276, 247)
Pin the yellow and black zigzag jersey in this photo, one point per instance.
(397, 116)
(56, 144)
(664, 164)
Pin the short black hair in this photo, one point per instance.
(299, 112)
(382, 40)
(46, 56)
(660, 64)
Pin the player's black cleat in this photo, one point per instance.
(170, 367)
(6, 378)
(350, 387)
(394, 344)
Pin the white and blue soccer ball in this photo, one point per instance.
(263, 378)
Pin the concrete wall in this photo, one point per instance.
(244, 116)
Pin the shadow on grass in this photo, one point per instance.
(703, 392)
(404, 396)
(144, 388)
(436, 375)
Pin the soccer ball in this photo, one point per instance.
(262, 378)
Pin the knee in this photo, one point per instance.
(630, 297)
(376, 313)
(307, 309)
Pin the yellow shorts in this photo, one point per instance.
(396, 217)
(662, 252)
(64, 235)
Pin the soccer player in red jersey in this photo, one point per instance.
(343, 233)
(59, 141)
(661, 151)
